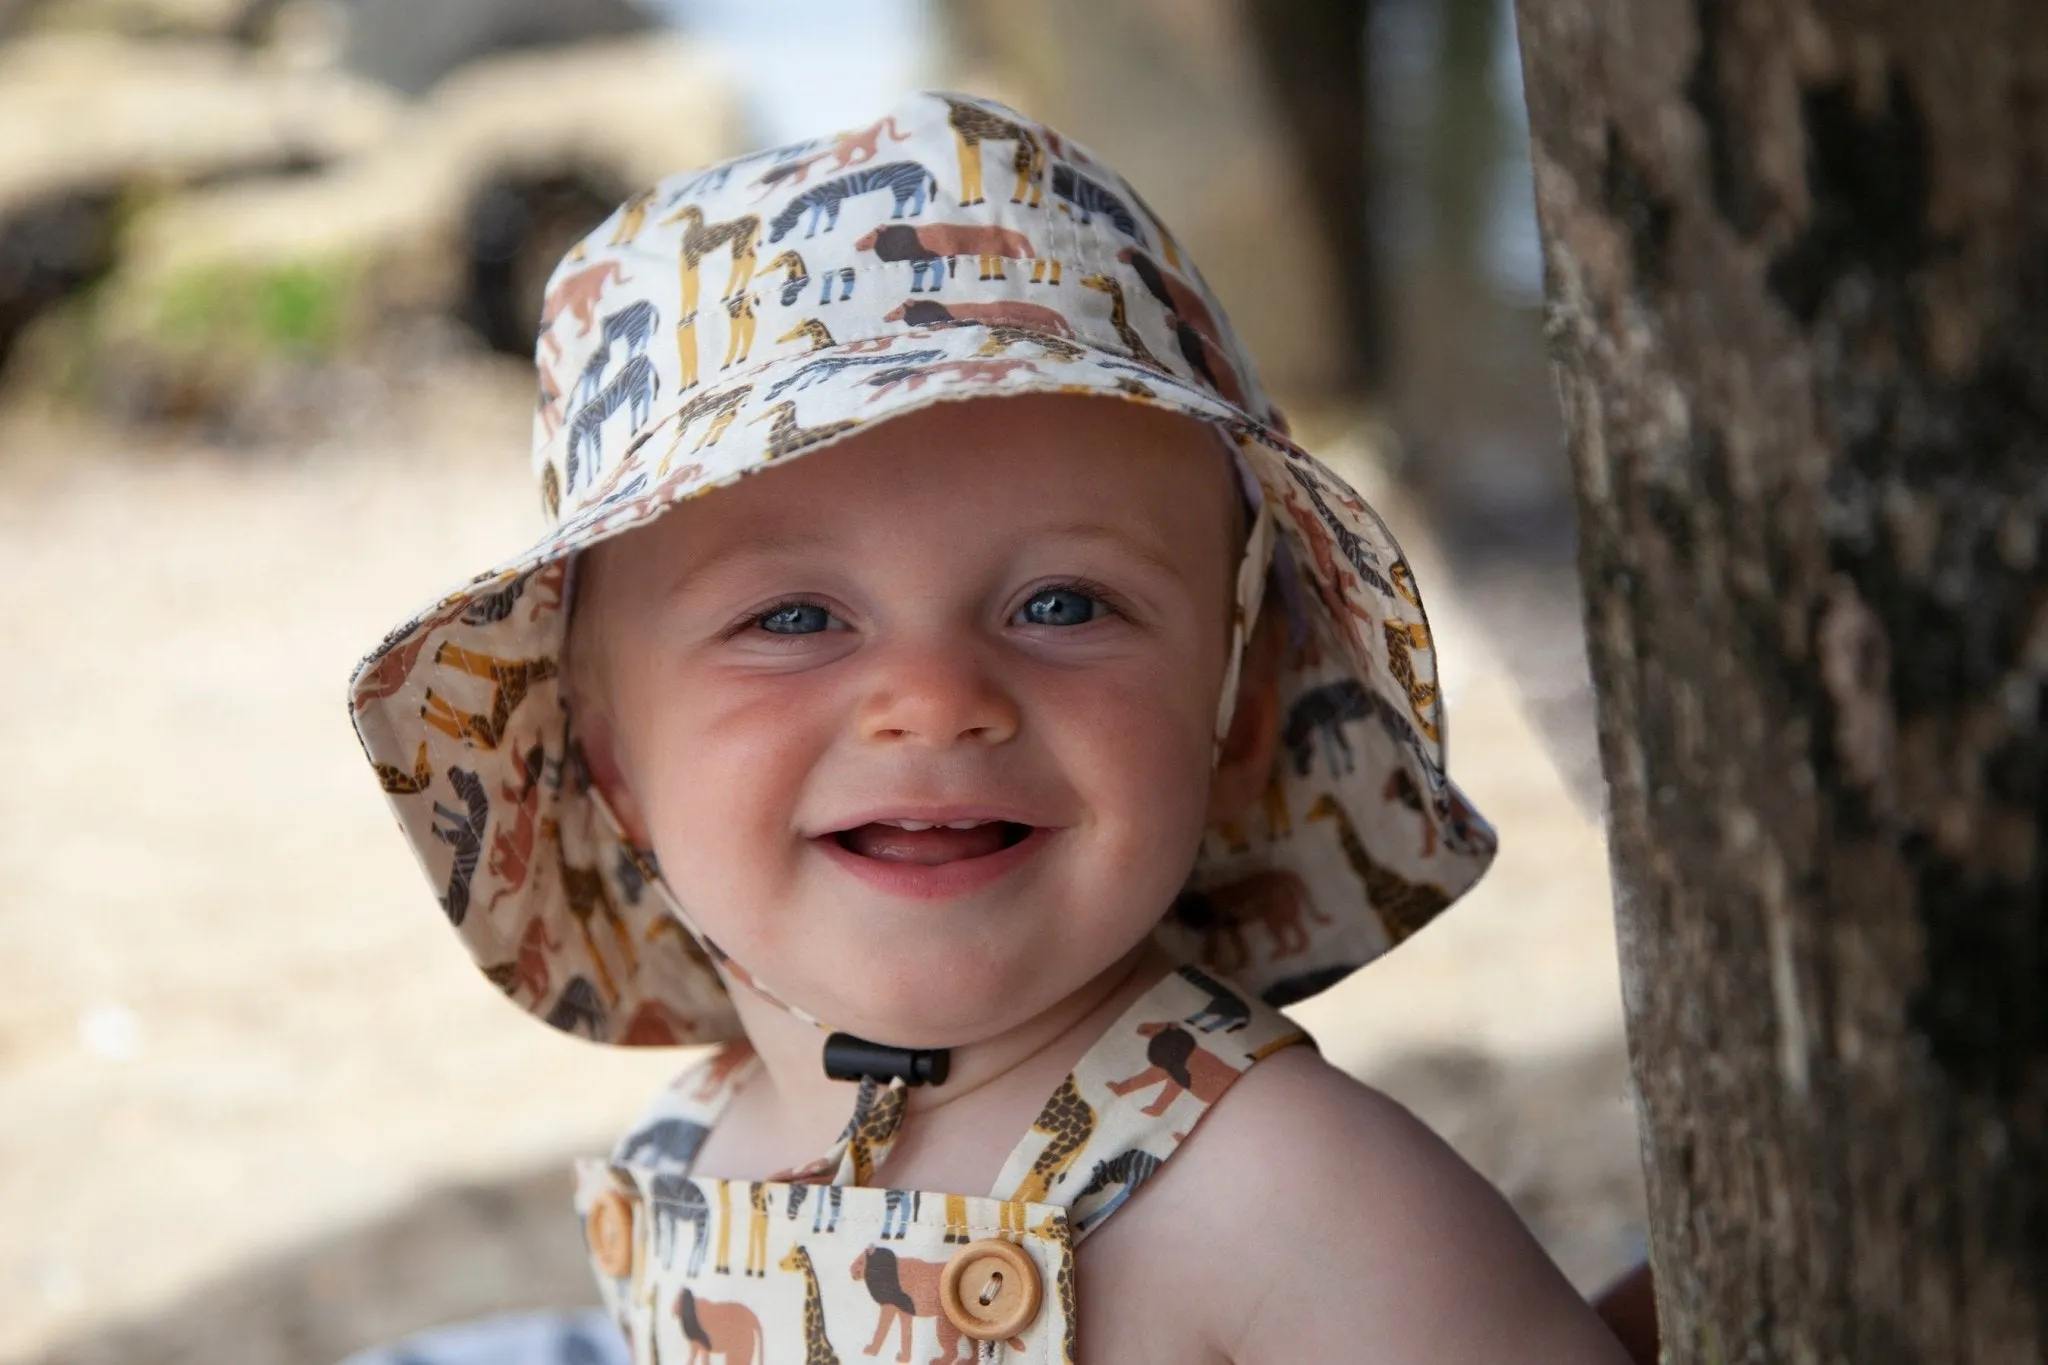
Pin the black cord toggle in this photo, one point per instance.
(848, 1058)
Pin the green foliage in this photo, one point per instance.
(301, 309)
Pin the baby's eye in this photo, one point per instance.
(795, 618)
(1061, 607)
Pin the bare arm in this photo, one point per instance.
(1366, 1238)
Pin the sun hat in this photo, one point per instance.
(758, 310)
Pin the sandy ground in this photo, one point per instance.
(258, 1106)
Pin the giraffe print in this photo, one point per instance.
(511, 680)
(1119, 319)
(1402, 905)
(700, 239)
(586, 899)
(1068, 1121)
(812, 330)
(1053, 1232)
(877, 1114)
(399, 782)
(740, 336)
(1402, 637)
(817, 1344)
(757, 1228)
(974, 124)
(787, 436)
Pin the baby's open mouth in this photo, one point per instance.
(915, 841)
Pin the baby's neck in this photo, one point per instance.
(956, 1135)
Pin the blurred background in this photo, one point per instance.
(269, 271)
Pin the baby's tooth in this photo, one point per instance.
(965, 824)
(911, 824)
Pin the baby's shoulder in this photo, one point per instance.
(1295, 1135)
(1330, 1214)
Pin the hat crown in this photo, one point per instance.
(948, 210)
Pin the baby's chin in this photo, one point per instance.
(930, 997)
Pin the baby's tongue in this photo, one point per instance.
(927, 846)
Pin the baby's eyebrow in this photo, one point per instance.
(739, 554)
(768, 548)
(1117, 537)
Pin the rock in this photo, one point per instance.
(97, 126)
(460, 213)
(103, 112)
(410, 45)
(130, 18)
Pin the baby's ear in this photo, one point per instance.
(1246, 763)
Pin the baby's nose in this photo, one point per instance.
(938, 697)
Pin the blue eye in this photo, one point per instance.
(794, 618)
(1061, 607)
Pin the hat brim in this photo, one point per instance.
(1360, 840)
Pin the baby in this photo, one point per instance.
(992, 765)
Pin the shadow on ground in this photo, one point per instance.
(1557, 1137)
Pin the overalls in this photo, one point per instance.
(798, 1270)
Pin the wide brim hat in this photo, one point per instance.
(756, 312)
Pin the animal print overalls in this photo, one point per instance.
(694, 1268)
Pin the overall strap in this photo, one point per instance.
(878, 1112)
(666, 1136)
(1136, 1094)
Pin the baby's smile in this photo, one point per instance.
(931, 842)
(924, 860)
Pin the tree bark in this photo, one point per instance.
(1797, 275)
(1315, 55)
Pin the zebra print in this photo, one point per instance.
(1323, 710)
(489, 610)
(579, 1010)
(678, 1199)
(636, 385)
(463, 832)
(824, 366)
(634, 324)
(1363, 561)
(704, 182)
(899, 1207)
(1127, 1171)
(670, 1143)
(1225, 1009)
(829, 1196)
(908, 182)
(1090, 198)
(592, 379)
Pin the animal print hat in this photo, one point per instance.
(760, 309)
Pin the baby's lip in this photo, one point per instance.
(913, 816)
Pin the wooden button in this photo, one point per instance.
(608, 1228)
(990, 1290)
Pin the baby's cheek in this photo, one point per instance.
(1150, 774)
(722, 813)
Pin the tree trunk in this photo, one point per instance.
(1797, 270)
(1315, 56)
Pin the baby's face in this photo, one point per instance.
(1009, 614)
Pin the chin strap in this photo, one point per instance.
(848, 1058)
(1251, 588)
